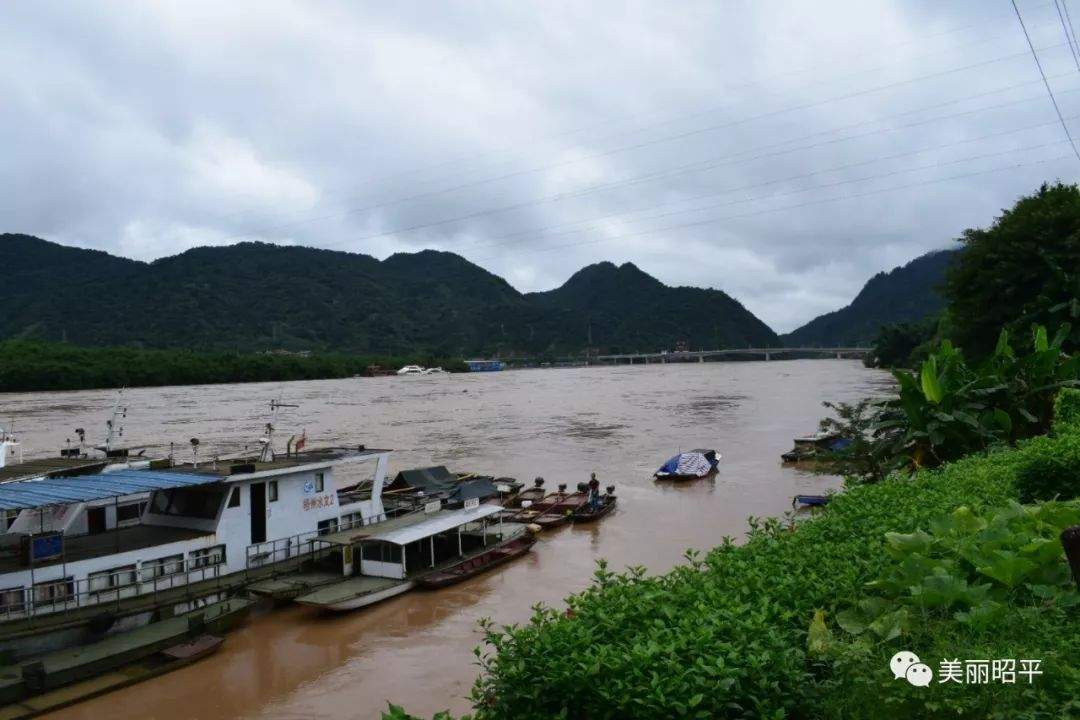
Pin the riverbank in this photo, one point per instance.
(27, 366)
(801, 621)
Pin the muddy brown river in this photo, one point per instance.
(416, 650)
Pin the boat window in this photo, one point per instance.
(161, 567)
(381, 552)
(319, 482)
(208, 556)
(114, 578)
(7, 519)
(188, 502)
(234, 497)
(53, 590)
(12, 600)
(271, 491)
(129, 513)
(327, 526)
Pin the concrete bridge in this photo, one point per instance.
(756, 353)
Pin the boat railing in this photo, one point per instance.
(306, 546)
(107, 588)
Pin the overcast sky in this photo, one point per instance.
(781, 150)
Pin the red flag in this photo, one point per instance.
(301, 442)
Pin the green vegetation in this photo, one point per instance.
(252, 296)
(902, 344)
(952, 408)
(802, 619)
(1022, 270)
(26, 366)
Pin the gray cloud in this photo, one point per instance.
(782, 151)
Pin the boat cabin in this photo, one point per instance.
(78, 542)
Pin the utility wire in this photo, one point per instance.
(802, 205)
(1046, 82)
(635, 146)
(715, 162)
(1068, 37)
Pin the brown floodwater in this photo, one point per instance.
(416, 650)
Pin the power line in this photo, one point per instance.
(1071, 40)
(723, 160)
(1046, 82)
(639, 145)
(542, 232)
(837, 183)
(806, 204)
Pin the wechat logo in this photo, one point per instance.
(906, 664)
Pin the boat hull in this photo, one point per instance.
(489, 560)
(359, 601)
(585, 514)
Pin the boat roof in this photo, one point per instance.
(60, 490)
(431, 480)
(35, 493)
(412, 527)
(43, 467)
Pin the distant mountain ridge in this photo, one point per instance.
(907, 293)
(255, 296)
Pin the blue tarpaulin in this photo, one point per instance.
(696, 463)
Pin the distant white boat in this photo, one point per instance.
(411, 370)
(435, 371)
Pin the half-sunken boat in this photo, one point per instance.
(815, 448)
(689, 465)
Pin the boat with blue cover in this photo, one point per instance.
(689, 465)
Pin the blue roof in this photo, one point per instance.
(65, 490)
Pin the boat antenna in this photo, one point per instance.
(267, 440)
(113, 427)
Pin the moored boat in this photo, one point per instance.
(561, 512)
(503, 552)
(817, 447)
(690, 465)
(586, 513)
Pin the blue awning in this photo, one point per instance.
(36, 493)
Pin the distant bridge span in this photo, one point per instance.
(701, 355)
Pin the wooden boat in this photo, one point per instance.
(586, 514)
(497, 555)
(540, 507)
(561, 512)
(167, 660)
(533, 495)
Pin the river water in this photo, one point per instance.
(416, 650)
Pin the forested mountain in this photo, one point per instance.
(254, 296)
(907, 293)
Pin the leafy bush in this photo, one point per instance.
(1048, 475)
(956, 592)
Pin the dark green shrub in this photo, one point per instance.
(1051, 472)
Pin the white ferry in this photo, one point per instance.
(89, 555)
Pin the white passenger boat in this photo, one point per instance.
(89, 554)
(411, 370)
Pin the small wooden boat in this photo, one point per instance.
(561, 512)
(497, 555)
(540, 507)
(586, 513)
(810, 500)
(532, 495)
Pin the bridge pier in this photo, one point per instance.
(701, 358)
(767, 356)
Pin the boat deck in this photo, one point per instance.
(64, 666)
(84, 547)
(348, 589)
(286, 587)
